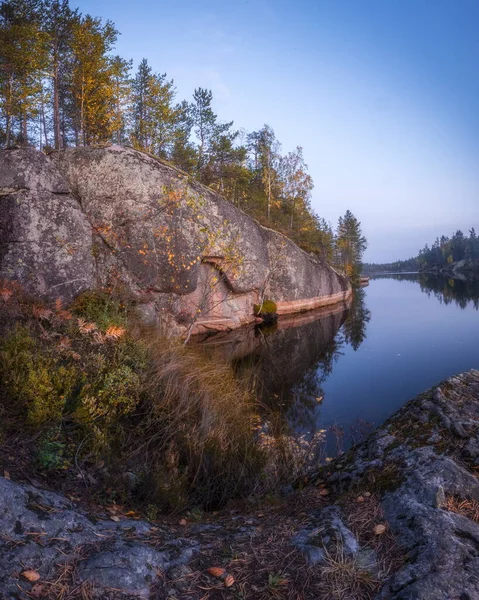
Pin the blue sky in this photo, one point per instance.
(381, 94)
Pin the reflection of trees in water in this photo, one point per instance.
(461, 292)
(307, 393)
(354, 327)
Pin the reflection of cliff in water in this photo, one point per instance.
(461, 291)
(286, 364)
(293, 359)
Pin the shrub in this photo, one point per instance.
(35, 378)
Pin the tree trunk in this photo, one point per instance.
(56, 103)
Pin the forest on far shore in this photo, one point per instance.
(443, 252)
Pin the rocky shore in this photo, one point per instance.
(397, 517)
(465, 270)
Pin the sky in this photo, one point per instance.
(381, 94)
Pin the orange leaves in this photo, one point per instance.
(221, 573)
(6, 291)
(41, 313)
(30, 575)
(114, 333)
(217, 572)
(85, 327)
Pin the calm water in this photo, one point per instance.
(353, 369)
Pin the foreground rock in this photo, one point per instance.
(411, 489)
(114, 217)
(426, 458)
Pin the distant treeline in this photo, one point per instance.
(443, 253)
(61, 85)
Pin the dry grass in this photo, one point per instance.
(199, 423)
(345, 579)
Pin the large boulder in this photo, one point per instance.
(113, 216)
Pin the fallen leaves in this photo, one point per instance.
(30, 575)
(217, 572)
(379, 529)
(221, 573)
(37, 591)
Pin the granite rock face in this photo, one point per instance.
(45, 238)
(425, 456)
(43, 531)
(89, 217)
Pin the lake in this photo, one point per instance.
(347, 370)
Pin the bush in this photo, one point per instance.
(101, 308)
(35, 378)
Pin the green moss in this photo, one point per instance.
(268, 307)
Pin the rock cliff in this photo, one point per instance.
(107, 217)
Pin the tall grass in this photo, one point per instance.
(200, 418)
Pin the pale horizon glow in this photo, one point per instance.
(382, 96)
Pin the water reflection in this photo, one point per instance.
(461, 291)
(287, 364)
(349, 367)
(358, 317)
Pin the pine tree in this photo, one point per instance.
(22, 61)
(207, 129)
(265, 151)
(58, 24)
(154, 115)
(350, 245)
(120, 73)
